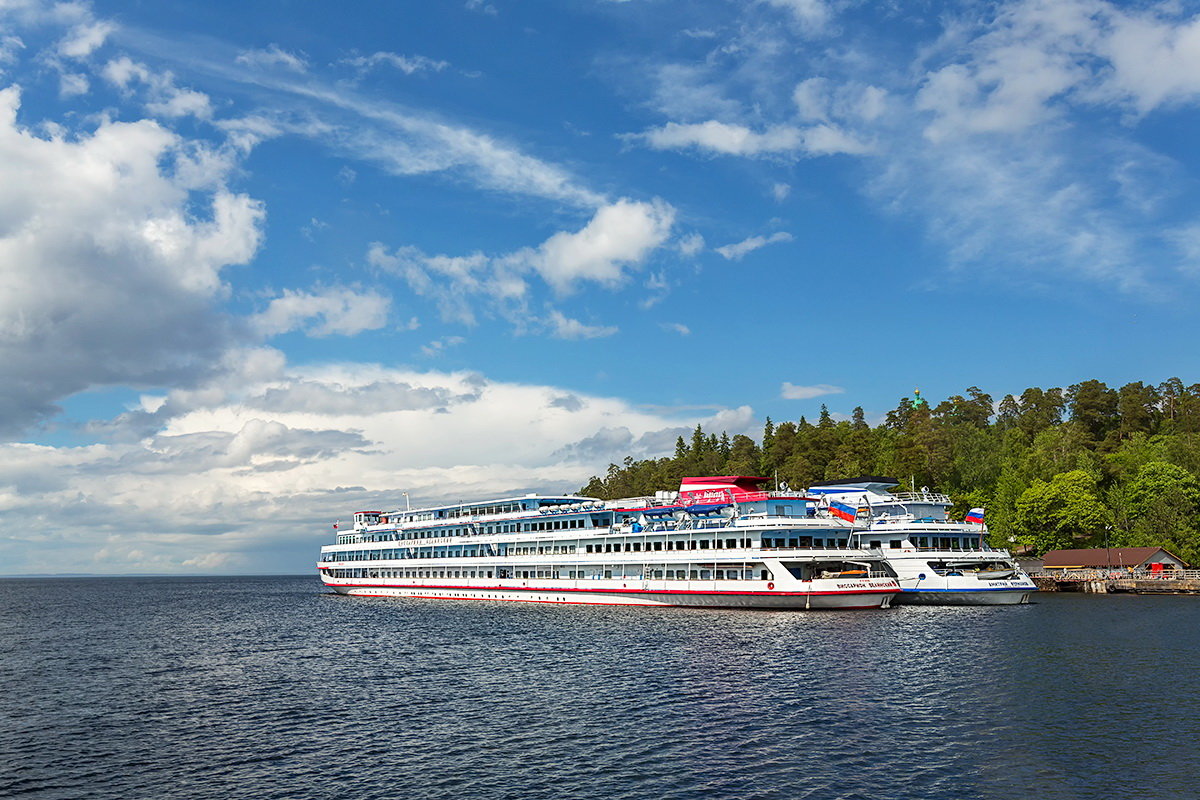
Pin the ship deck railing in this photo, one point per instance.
(921, 497)
(712, 553)
(987, 548)
(1116, 572)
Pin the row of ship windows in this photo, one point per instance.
(697, 573)
(391, 555)
(931, 543)
(431, 533)
(945, 543)
(606, 547)
(503, 508)
(538, 550)
(716, 544)
(555, 525)
(497, 527)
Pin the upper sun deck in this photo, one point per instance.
(875, 500)
(723, 501)
(878, 490)
(530, 504)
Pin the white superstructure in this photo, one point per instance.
(938, 561)
(717, 542)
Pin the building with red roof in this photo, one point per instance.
(1149, 559)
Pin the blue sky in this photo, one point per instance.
(255, 275)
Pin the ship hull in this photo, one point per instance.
(696, 598)
(972, 597)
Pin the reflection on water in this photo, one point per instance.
(267, 688)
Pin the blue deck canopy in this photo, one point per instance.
(662, 511)
(706, 508)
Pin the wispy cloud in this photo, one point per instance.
(271, 57)
(402, 140)
(86, 36)
(163, 98)
(738, 250)
(738, 140)
(812, 15)
(790, 391)
(10, 46)
(691, 244)
(73, 85)
(409, 143)
(439, 346)
(566, 328)
(482, 7)
(975, 133)
(409, 65)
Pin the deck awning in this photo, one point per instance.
(706, 508)
(662, 511)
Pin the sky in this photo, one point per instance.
(265, 264)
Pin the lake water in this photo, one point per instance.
(269, 688)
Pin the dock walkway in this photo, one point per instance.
(1182, 581)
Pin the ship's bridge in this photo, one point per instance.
(364, 519)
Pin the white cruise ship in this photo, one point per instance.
(718, 542)
(938, 561)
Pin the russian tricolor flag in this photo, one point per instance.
(842, 511)
(975, 515)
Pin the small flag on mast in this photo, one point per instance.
(842, 511)
(975, 515)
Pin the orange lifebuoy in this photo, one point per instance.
(770, 585)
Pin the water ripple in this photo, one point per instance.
(267, 688)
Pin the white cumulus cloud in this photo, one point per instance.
(110, 277)
(620, 235)
(331, 311)
(265, 460)
(163, 97)
(85, 38)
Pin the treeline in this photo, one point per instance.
(1055, 468)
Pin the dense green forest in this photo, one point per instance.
(1053, 468)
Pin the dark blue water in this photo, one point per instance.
(267, 688)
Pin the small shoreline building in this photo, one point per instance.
(1132, 559)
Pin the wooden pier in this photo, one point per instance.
(1112, 582)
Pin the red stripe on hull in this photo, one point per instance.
(601, 591)
(574, 603)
